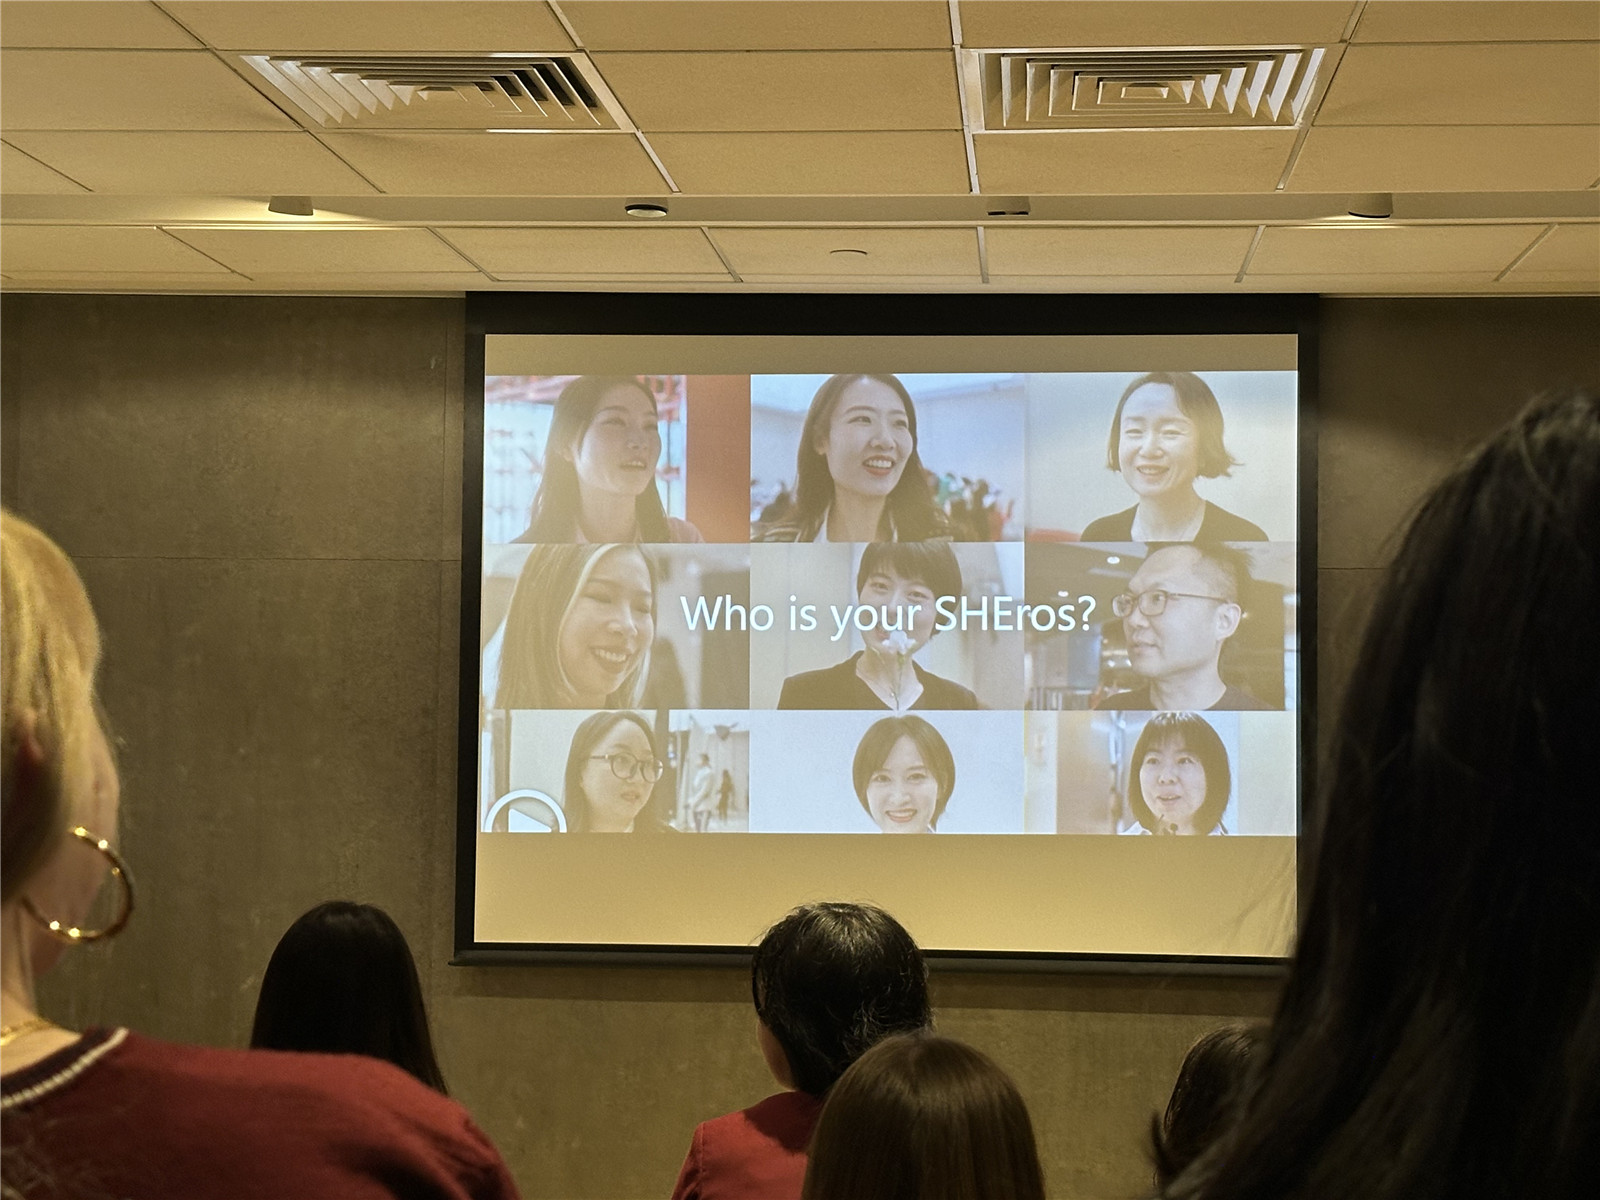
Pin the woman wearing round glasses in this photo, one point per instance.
(612, 768)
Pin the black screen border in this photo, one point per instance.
(817, 314)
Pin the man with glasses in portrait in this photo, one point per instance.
(1181, 607)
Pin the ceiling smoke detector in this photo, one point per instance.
(1144, 89)
(478, 92)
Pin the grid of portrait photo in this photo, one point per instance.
(963, 604)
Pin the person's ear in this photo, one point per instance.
(1229, 616)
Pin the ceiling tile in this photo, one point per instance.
(125, 281)
(760, 24)
(815, 164)
(58, 249)
(423, 26)
(853, 280)
(577, 250)
(21, 175)
(1494, 83)
(91, 24)
(1378, 249)
(1478, 20)
(770, 252)
(197, 164)
(612, 277)
(1570, 249)
(1447, 158)
(488, 164)
(1117, 283)
(368, 282)
(1470, 283)
(128, 89)
(791, 90)
(1022, 250)
(323, 251)
(1053, 23)
(1140, 162)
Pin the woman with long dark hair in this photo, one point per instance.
(858, 477)
(599, 479)
(612, 768)
(1439, 1032)
(920, 1117)
(342, 981)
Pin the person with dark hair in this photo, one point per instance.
(920, 1117)
(1204, 1098)
(904, 774)
(1181, 606)
(858, 477)
(828, 981)
(578, 631)
(342, 981)
(599, 480)
(1438, 1035)
(1179, 781)
(612, 768)
(1166, 433)
(901, 581)
(109, 1112)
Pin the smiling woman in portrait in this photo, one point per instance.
(1179, 780)
(599, 481)
(858, 477)
(1166, 433)
(904, 774)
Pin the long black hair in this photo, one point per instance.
(910, 507)
(831, 980)
(556, 504)
(342, 981)
(1439, 1033)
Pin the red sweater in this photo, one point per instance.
(757, 1154)
(124, 1116)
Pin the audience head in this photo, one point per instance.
(829, 981)
(604, 437)
(579, 628)
(1439, 1033)
(57, 767)
(920, 1117)
(1179, 780)
(1210, 1082)
(342, 981)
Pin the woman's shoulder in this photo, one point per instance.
(939, 692)
(1220, 525)
(679, 530)
(1118, 527)
(828, 687)
(778, 531)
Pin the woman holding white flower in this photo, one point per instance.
(902, 581)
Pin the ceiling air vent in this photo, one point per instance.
(1144, 89)
(444, 92)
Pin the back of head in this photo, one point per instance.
(342, 981)
(1210, 1083)
(830, 980)
(1439, 1034)
(920, 1117)
(51, 648)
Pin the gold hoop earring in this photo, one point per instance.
(73, 935)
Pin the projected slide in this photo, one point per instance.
(971, 610)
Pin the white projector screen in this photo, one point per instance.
(998, 632)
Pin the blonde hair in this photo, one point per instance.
(49, 650)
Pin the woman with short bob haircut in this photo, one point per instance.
(342, 981)
(1179, 767)
(612, 769)
(858, 476)
(599, 479)
(579, 628)
(1165, 433)
(904, 774)
(1438, 1034)
(111, 1112)
(829, 981)
(920, 1117)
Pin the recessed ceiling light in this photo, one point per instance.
(845, 252)
(647, 212)
(291, 206)
(1378, 206)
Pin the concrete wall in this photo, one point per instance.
(263, 495)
